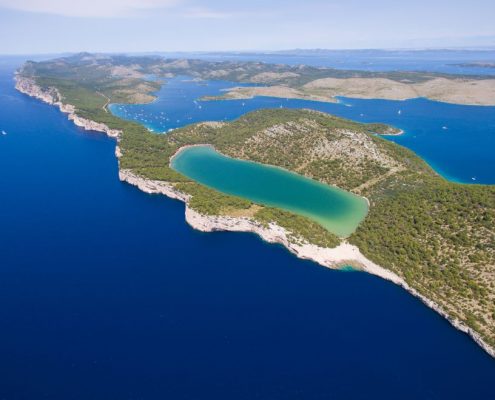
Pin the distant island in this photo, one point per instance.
(476, 65)
(433, 237)
(283, 81)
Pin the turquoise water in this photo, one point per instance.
(457, 141)
(348, 268)
(338, 211)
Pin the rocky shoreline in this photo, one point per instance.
(335, 258)
(52, 96)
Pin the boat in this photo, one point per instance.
(399, 112)
(4, 133)
(444, 128)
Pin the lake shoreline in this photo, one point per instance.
(343, 255)
(340, 232)
(187, 146)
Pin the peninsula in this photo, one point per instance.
(433, 237)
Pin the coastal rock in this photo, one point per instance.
(152, 187)
(335, 258)
(93, 126)
(52, 96)
(344, 254)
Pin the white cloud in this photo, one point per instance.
(88, 8)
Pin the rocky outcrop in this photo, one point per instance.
(89, 125)
(52, 96)
(344, 254)
(152, 187)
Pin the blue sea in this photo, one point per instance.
(458, 141)
(440, 61)
(106, 293)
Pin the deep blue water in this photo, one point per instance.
(106, 293)
(457, 141)
(442, 61)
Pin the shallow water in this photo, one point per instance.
(338, 211)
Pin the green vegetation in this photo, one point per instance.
(330, 149)
(304, 227)
(439, 236)
(210, 202)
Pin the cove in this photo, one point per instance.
(457, 141)
(336, 210)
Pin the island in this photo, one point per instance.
(433, 237)
(479, 64)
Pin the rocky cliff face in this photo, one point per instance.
(342, 255)
(52, 96)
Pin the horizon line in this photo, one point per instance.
(258, 51)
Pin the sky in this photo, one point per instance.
(54, 26)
